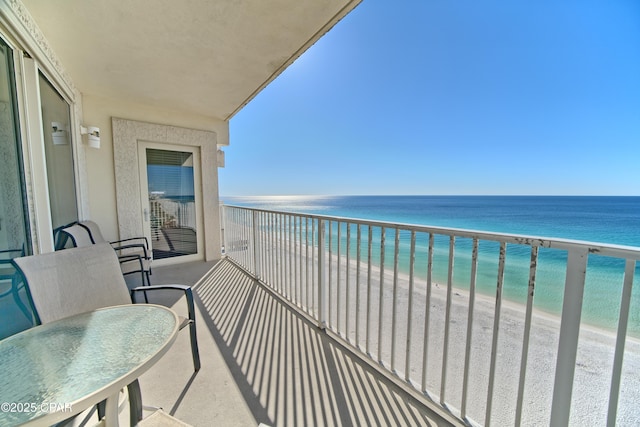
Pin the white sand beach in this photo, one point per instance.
(594, 358)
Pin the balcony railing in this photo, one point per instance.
(488, 327)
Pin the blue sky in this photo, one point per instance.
(441, 97)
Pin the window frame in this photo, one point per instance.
(30, 60)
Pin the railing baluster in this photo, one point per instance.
(275, 250)
(255, 244)
(496, 328)
(412, 261)
(380, 301)
(330, 275)
(274, 258)
(313, 263)
(285, 257)
(267, 243)
(245, 238)
(348, 283)
(231, 230)
(294, 260)
(290, 258)
(394, 305)
(274, 253)
(306, 269)
(236, 233)
(467, 357)
(248, 227)
(369, 254)
(427, 313)
(358, 255)
(322, 321)
(447, 318)
(301, 284)
(338, 284)
(621, 337)
(254, 247)
(569, 332)
(527, 332)
(263, 242)
(280, 255)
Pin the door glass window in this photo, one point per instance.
(15, 314)
(59, 155)
(172, 203)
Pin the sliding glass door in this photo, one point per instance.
(14, 232)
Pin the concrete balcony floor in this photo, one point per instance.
(262, 362)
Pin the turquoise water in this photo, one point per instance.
(611, 220)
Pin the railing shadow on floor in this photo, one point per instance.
(289, 371)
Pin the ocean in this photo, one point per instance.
(603, 219)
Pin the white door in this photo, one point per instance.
(171, 201)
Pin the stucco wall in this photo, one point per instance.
(98, 111)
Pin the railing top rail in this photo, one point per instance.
(604, 249)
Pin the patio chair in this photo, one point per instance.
(132, 245)
(77, 280)
(60, 239)
(9, 273)
(133, 256)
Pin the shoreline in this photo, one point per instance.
(593, 363)
(505, 301)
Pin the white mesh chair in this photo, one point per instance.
(132, 245)
(78, 280)
(133, 255)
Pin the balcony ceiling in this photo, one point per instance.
(200, 56)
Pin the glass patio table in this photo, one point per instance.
(54, 371)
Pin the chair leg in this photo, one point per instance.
(147, 282)
(15, 290)
(192, 329)
(135, 402)
(194, 346)
(102, 409)
(147, 274)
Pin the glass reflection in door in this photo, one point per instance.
(56, 119)
(172, 204)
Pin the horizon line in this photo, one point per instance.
(429, 195)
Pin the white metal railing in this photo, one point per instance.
(413, 299)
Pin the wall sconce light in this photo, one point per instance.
(59, 134)
(93, 135)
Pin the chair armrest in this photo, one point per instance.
(9, 252)
(131, 246)
(185, 288)
(131, 257)
(146, 242)
(188, 293)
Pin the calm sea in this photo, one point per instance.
(612, 220)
